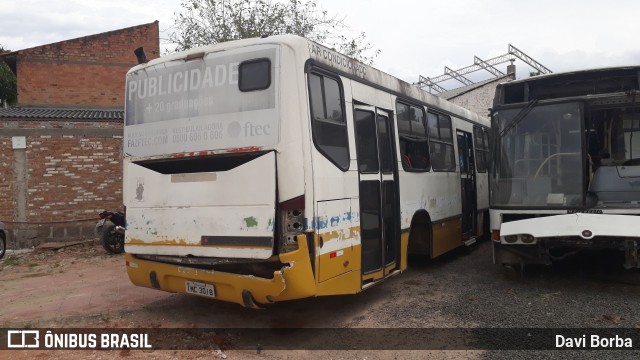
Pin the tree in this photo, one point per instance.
(204, 22)
(8, 84)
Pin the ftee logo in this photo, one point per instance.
(23, 339)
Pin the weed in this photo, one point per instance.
(13, 260)
(104, 317)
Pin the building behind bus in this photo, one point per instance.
(60, 145)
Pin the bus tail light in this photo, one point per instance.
(291, 223)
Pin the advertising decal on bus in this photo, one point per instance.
(188, 106)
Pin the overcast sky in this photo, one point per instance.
(416, 37)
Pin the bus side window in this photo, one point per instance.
(327, 119)
(414, 149)
(441, 142)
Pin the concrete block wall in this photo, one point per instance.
(479, 100)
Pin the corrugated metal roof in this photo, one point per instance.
(34, 113)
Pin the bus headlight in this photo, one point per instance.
(291, 223)
(527, 238)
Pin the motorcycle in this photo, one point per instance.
(111, 229)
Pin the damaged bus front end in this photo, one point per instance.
(565, 171)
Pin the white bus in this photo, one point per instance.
(269, 169)
(566, 166)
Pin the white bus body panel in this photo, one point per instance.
(573, 225)
(168, 214)
(439, 195)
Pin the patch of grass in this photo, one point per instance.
(104, 318)
(32, 265)
(13, 260)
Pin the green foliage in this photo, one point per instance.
(8, 84)
(204, 22)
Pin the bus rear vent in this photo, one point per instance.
(213, 163)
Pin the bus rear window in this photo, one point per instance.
(254, 75)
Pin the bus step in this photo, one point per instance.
(370, 284)
(378, 281)
(470, 242)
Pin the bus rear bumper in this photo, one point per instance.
(293, 281)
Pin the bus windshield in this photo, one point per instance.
(538, 157)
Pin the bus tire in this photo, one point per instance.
(513, 271)
(420, 235)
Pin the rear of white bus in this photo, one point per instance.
(202, 147)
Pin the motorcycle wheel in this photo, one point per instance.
(111, 240)
(3, 245)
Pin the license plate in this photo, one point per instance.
(202, 289)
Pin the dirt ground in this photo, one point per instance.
(46, 288)
(83, 287)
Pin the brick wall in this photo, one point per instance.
(85, 72)
(70, 171)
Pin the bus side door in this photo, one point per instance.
(378, 191)
(467, 184)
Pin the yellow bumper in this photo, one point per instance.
(294, 280)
